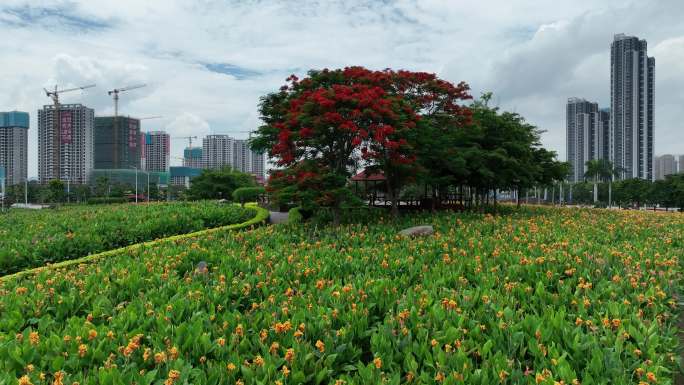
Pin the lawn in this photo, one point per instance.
(536, 296)
(34, 238)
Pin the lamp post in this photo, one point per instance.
(136, 183)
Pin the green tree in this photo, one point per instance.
(218, 184)
(54, 192)
(594, 170)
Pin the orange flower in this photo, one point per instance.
(230, 366)
(25, 380)
(159, 357)
(285, 371)
(34, 338)
(377, 362)
(320, 346)
(289, 355)
(82, 350)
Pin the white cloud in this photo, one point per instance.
(533, 55)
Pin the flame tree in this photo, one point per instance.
(321, 128)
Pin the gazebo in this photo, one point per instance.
(374, 179)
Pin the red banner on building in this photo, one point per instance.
(133, 136)
(65, 127)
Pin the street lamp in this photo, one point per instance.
(136, 183)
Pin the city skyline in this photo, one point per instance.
(532, 59)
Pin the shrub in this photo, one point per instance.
(248, 194)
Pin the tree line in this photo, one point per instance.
(413, 128)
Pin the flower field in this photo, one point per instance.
(35, 238)
(538, 296)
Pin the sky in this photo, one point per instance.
(206, 63)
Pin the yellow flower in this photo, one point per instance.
(159, 357)
(377, 362)
(34, 338)
(82, 350)
(230, 366)
(289, 355)
(25, 380)
(502, 375)
(285, 371)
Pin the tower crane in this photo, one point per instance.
(115, 92)
(54, 95)
(115, 95)
(189, 138)
(241, 132)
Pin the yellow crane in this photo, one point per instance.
(54, 95)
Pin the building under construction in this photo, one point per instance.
(117, 144)
(65, 143)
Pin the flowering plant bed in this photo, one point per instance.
(538, 296)
(35, 238)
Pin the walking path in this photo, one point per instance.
(276, 217)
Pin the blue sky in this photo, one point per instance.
(207, 62)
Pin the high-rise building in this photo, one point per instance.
(117, 143)
(14, 146)
(182, 176)
(157, 151)
(585, 136)
(632, 91)
(604, 130)
(665, 165)
(222, 150)
(192, 157)
(680, 165)
(217, 151)
(246, 160)
(65, 150)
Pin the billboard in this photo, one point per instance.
(65, 127)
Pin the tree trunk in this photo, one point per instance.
(434, 199)
(610, 192)
(392, 195)
(595, 191)
(337, 216)
(517, 197)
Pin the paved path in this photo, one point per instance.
(277, 217)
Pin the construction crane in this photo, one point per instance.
(115, 95)
(54, 95)
(240, 132)
(189, 138)
(151, 117)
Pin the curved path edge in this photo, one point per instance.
(261, 216)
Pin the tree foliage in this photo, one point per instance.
(411, 127)
(218, 184)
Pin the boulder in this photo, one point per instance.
(417, 231)
(202, 268)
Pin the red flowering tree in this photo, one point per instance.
(403, 152)
(321, 128)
